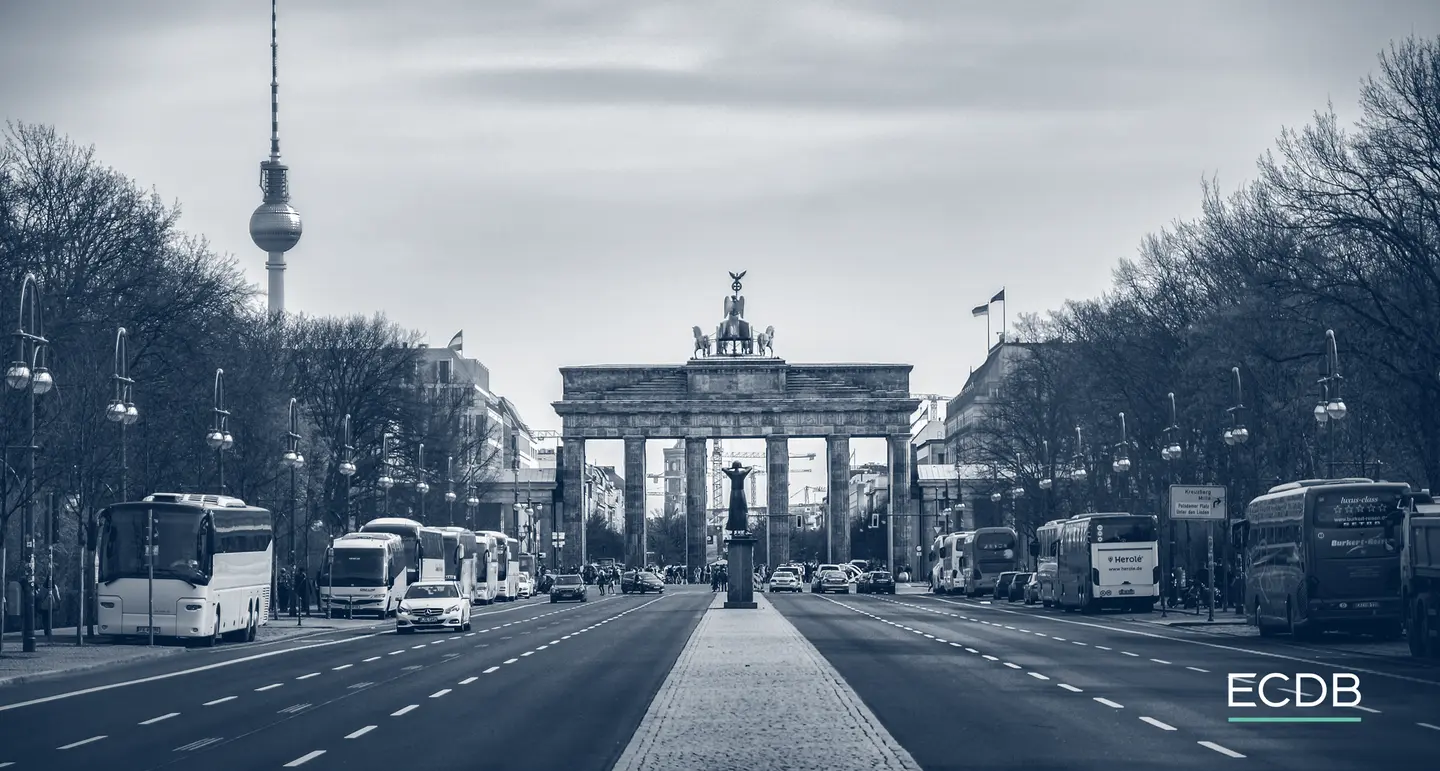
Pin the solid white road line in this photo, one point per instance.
(404, 710)
(1158, 724)
(367, 729)
(1070, 688)
(154, 720)
(269, 687)
(80, 743)
(1109, 703)
(1222, 750)
(303, 759)
(219, 701)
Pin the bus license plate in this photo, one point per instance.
(1367, 604)
(1124, 592)
(146, 629)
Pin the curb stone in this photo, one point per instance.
(90, 667)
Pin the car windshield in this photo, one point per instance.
(880, 575)
(567, 580)
(779, 571)
(431, 591)
(833, 575)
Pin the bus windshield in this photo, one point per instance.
(1354, 508)
(407, 537)
(357, 567)
(1123, 530)
(452, 556)
(178, 545)
(994, 545)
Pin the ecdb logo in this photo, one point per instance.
(1341, 684)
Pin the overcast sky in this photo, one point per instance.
(569, 182)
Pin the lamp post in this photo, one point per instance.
(1121, 464)
(421, 487)
(385, 481)
(28, 373)
(1171, 453)
(450, 495)
(219, 437)
(121, 411)
(347, 470)
(294, 461)
(515, 477)
(1237, 434)
(471, 503)
(1330, 407)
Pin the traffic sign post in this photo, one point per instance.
(1205, 503)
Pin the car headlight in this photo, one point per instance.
(403, 609)
(452, 609)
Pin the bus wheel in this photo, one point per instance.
(1421, 630)
(252, 626)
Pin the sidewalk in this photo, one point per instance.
(740, 669)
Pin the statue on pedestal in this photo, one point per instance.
(739, 520)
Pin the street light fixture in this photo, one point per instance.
(1047, 482)
(420, 486)
(995, 497)
(1237, 433)
(28, 373)
(1079, 473)
(385, 481)
(1330, 407)
(1172, 450)
(347, 469)
(471, 503)
(450, 495)
(219, 437)
(1122, 450)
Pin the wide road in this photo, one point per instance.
(534, 685)
(963, 684)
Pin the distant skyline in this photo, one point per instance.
(570, 182)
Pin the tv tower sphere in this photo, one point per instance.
(275, 227)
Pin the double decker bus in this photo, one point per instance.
(1324, 555)
(461, 553)
(364, 573)
(507, 584)
(1108, 561)
(409, 532)
(185, 566)
(1046, 548)
(988, 552)
(946, 576)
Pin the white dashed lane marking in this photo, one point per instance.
(1070, 688)
(269, 687)
(1109, 703)
(491, 669)
(367, 729)
(154, 720)
(404, 710)
(303, 759)
(1222, 750)
(221, 700)
(1158, 724)
(81, 743)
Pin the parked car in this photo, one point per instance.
(831, 581)
(569, 587)
(1017, 586)
(1032, 590)
(641, 582)
(1002, 585)
(432, 605)
(526, 586)
(876, 582)
(783, 580)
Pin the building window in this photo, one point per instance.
(442, 372)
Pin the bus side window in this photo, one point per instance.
(206, 547)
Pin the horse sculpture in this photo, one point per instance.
(702, 343)
(765, 342)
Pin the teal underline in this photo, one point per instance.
(1294, 719)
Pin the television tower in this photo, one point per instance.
(275, 226)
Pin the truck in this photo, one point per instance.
(1420, 578)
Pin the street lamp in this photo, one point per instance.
(1330, 406)
(1079, 473)
(1237, 433)
(450, 495)
(347, 470)
(1046, 483)
(219, 437)
(385, 481)
(420, 486)
(121, 409)
(28, 373)
(1122, 450)
(471, 503)
(294, 461)
(1172, 450)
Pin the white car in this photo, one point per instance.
(785, 581)
(527, 586)
(433, 605)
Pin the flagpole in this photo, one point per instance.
(987, 329)
(1002, 315)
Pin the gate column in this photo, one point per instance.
(777, 500)
(695, 502)
(635, 502)
(902, 507)
(837, 450)
(572, 475)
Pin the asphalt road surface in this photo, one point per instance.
(534, 685)
(963, 684)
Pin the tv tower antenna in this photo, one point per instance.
(275, 225)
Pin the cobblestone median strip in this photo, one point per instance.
(739, 669)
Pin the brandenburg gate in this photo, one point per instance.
(734, 387)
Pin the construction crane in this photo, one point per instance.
(545, 434)
(717, 463)
(932, 407)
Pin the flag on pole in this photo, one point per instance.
(980, 310)
(457, 343)
(999, 297)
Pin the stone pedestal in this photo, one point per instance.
(741, 570)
